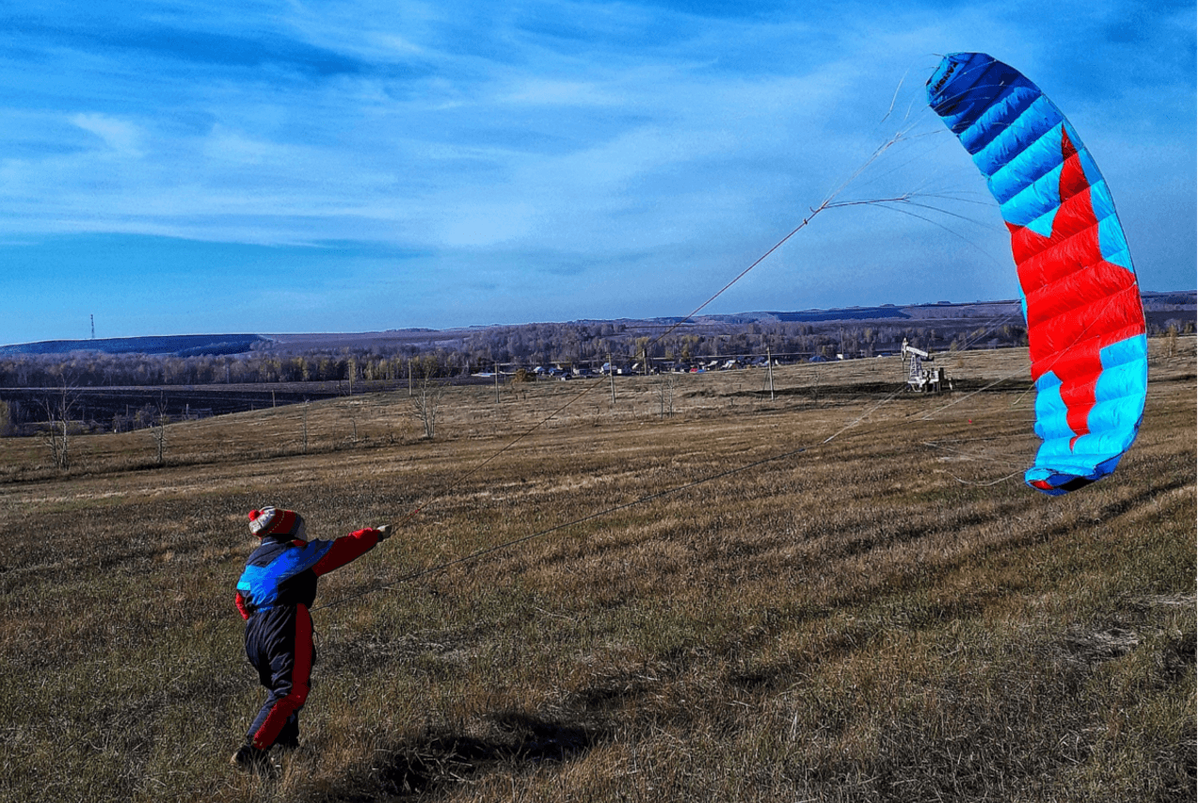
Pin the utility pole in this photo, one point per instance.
(496, 378)
(770, 374)
(93, 317)
(612, 386)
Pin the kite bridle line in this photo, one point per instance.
(589, 386)
(828, 203)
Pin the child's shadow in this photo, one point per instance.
(513, 739)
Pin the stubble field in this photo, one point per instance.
(661, 589)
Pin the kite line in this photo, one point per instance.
(829, 202)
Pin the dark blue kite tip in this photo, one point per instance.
(1059, 484)
(957, 70)
(950, 66)
(1056, 483)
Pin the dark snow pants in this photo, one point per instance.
(279, 644)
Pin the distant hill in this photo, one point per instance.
(1155, 304)
(1160, 307)
(164, 345)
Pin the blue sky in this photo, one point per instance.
(192, 167)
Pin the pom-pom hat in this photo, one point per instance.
(272, 521)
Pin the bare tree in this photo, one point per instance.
(426, 398)
(158, 429)
(1172, 340)
(57, 436)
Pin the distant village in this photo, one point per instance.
(125, 382)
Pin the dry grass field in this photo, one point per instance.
(684, 590)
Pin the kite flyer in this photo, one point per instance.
(273, 595)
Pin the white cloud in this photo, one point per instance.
(120, 136)
(395, 44)
(228, 147)
(549, 92)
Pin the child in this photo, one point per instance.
(273, 595)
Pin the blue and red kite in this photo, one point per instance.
(1087, 331)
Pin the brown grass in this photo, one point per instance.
(888, 614)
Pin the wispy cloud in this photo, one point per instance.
(120, 136)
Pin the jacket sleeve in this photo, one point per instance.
(345, 549)
(240, 602)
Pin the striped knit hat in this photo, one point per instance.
(270, 521)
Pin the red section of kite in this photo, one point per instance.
(1067, 330)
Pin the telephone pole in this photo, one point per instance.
(770, 374)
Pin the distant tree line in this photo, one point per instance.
(97, 391)
(529, 345)
(512, 348)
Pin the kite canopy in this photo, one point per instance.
(1087, 332)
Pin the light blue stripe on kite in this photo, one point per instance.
(1131, 349)
(1011, 143)
(1129, 358)
(1090, 451)
(1004, 110)
(1050, 411)
(1102, 200)
(1121, 257)
(1113, 245)
(1036, 205)
(1124, 389)
(1090, 171)
(1089, 466)
(1056, 456)
(1041, 157)
(1116, 421)
(1112, 422)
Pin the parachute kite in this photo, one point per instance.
(1087, 332)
